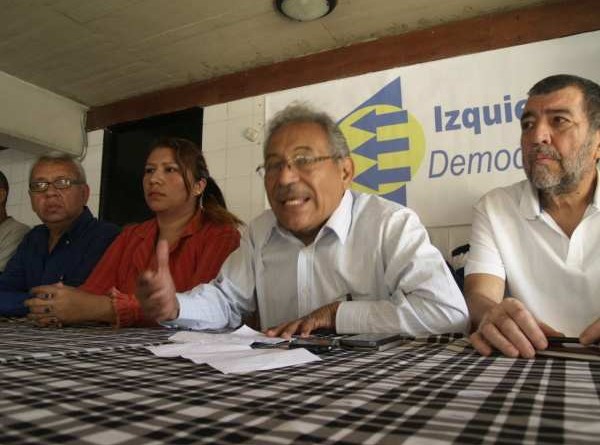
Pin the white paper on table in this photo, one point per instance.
(231, 353)
(200, 357)
(261, 360)
(169, 350)
(186, 349)
(241, 336)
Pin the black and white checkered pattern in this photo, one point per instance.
(19, 339)
(421, 392)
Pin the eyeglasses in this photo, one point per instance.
(59, 184)
(301, 163)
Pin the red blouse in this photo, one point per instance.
(196, 258)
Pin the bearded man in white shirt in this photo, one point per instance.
(322, 257)
(534, 269)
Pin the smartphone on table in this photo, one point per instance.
(316, 345)
(373, 342)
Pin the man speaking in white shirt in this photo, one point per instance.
(322, 257)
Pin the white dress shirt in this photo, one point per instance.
(556, 277)
(371, 251)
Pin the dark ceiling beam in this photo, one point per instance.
(448, 40)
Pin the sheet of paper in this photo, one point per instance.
(188, 349)
(241, 336)
(263, 359)
(208, 357)
(168, 350)
(231, 352)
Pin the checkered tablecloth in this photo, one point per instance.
(421, 392)
(19, 339)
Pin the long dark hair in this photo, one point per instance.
(189, 158)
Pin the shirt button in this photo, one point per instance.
(68, 242)
(61, 278)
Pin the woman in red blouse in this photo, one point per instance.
(190, 214)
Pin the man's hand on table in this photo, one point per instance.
(156, 290)
(591, 334)
(57, 304)
(513, 330)
(322, 318)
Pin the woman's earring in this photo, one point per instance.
(200, 201)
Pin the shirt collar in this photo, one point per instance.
(78, 227)
(596, 199)
(531, 207)
(194, 224)
(338, 223)
(80, 224)
(340, 220)
(191, 227)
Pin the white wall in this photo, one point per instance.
(16, 164)
(231, 157)
(448, 238)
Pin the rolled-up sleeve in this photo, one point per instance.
(484, 256)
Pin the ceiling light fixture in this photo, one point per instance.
(305, 10)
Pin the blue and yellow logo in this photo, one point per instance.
(386, 143)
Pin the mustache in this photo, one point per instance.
(547, 150)
(290, 191)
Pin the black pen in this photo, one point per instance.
(568, 340)
(559, 340)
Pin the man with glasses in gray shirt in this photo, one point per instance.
(322, 257)
(69, 243)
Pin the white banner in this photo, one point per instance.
(438, 135)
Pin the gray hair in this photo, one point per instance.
(61, 158)
(589, 89)
(302, 112)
